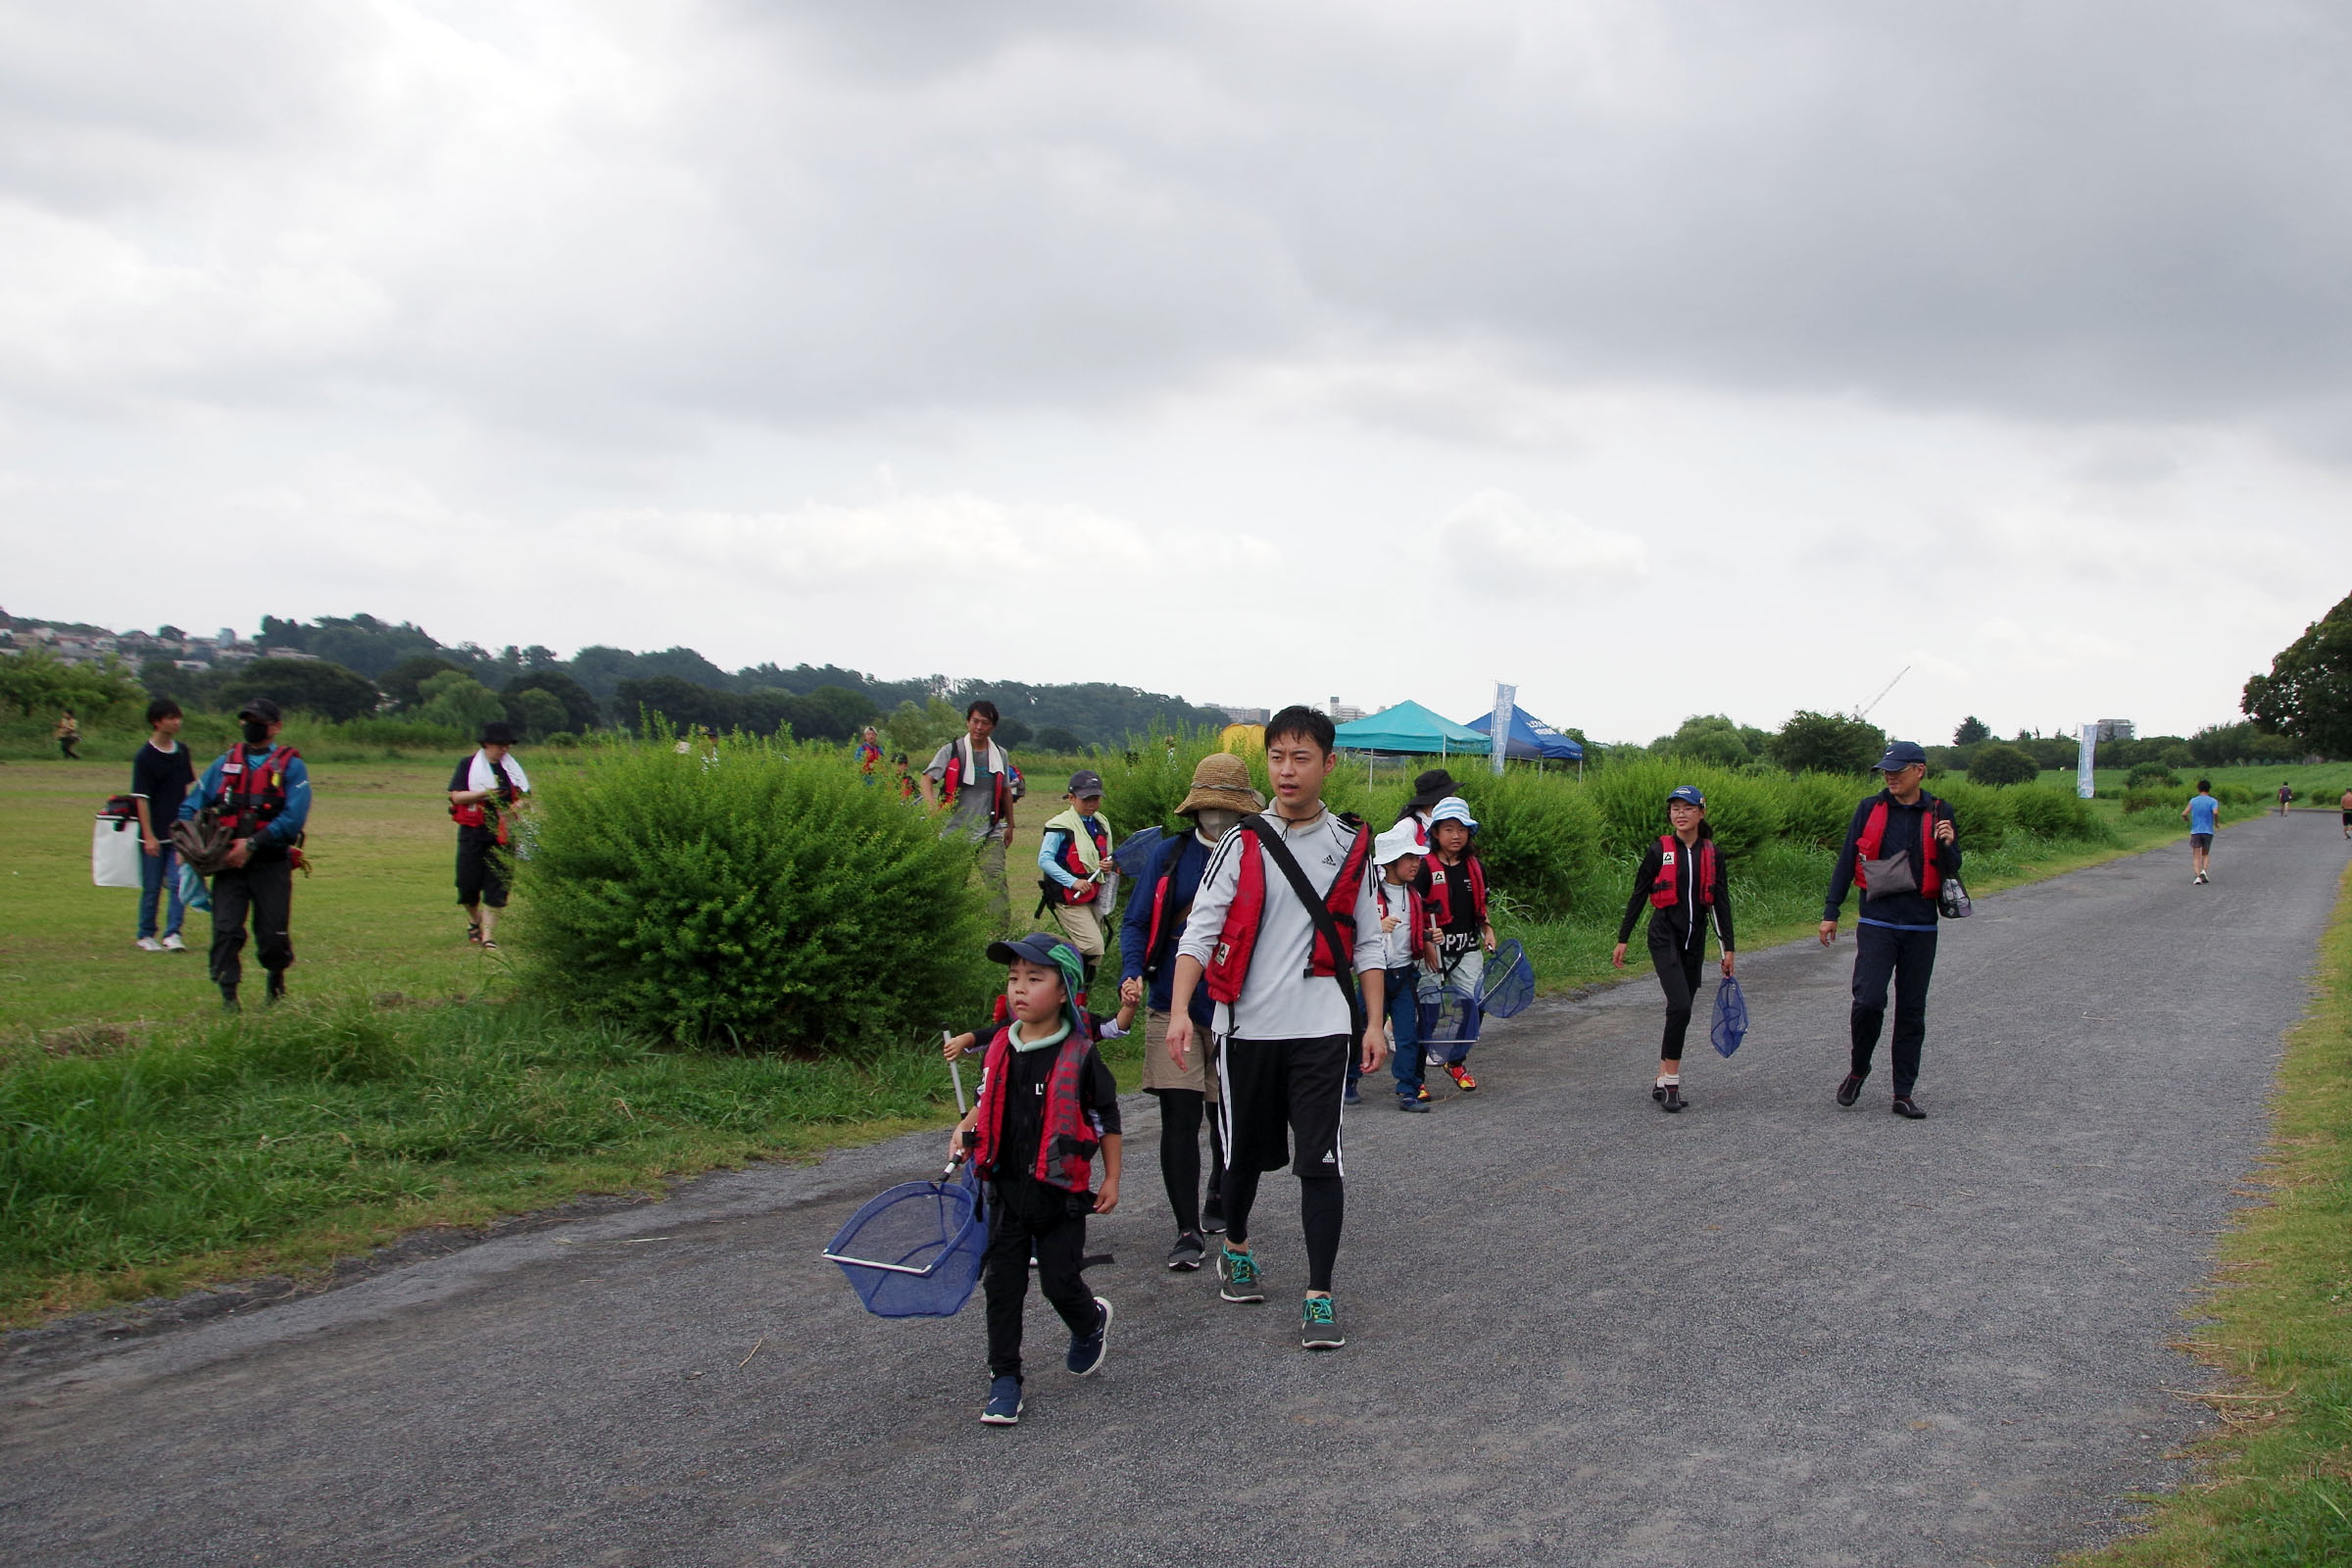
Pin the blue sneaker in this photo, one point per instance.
(1088, 1349)
(1004, 1408)
(1412, 1103)
(1237, 1276)
(1352, 1097)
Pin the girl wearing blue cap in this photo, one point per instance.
(1681, 880)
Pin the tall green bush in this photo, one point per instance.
(749, 896)
(1539, 838)
(2049, 813)
(1980, 812)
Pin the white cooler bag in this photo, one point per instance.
(114, 852)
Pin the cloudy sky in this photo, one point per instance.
(1662, 355)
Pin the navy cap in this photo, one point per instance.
(1689, 792)
(1899, 756)
(1086, 781)
(261, 711)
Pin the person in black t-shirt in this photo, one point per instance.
(1048, 1104)
(482, 794)
(159, 777)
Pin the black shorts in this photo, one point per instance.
(481, 872)
(2200, 841)
(1273, 1089)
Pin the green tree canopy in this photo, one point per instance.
(307, 685)
(578, 704)
(1714, 738)
(458, 701)
(1999, 763)
(1971, 731)
(2307, 693)
(1827, 743)
(536, 714)
(37, 681)
(401, 682)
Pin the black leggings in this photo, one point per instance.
(1678, 976)
(1322, 1209)
(1181, 1112)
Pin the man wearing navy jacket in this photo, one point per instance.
(1899, 849)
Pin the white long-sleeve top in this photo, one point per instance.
(1280, 1000)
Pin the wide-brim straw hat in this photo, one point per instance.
(1221, 782)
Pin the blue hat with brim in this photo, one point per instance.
(1899, 756)
(1689, 795)
(1044, 947)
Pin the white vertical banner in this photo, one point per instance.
(2085, 786)
(1506, 700)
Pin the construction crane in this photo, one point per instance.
(1864, 711)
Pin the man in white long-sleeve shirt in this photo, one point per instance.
(1286, 1017)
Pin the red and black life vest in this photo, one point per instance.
(252, 794)
(1088, 890)
(478, 813)
(1066, 1139)
(1166, 918)
(1237, 944)
(1440, 893)
(1873, 834)
(953, 781)
(1663, 893)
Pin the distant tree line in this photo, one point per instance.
(361, 665)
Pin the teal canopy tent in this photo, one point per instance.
(1412, 729)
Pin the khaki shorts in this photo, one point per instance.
(1082, 926)
(1161, 1073)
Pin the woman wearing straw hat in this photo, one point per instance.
(1220, 796)
(1681, 880)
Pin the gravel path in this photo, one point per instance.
(1765, 1331)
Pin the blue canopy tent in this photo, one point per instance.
(1533, 738)
(1409, 729)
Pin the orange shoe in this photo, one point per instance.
(1461, 1077)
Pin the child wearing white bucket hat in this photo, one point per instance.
(1457, 896)
(1400, 854)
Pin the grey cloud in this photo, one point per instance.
(2102, 213)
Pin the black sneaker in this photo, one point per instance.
(1658, 1092)
(1086, 1350)
(1674, 1097)
(1187, 1254)
(1849, 1091)
(1004, 1408)
(1908, 1108)
(1212, 1216)
(228, 999)
(1412, 1103)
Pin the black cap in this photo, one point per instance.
(1085, 782)
(498, 732)
(261, 711)
(1431, 787)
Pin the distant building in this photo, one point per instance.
(2114, 729)
(1244, 716)
(288, 652)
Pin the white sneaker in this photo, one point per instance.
(149, 945)
(172, 944)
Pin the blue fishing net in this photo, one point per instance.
(1510, 982)
(914, 1251)
(1448, 1005)
(1730, 1017)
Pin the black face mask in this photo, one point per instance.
(256, 734)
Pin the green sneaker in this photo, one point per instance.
(1237, 1276)
(1319, 1325)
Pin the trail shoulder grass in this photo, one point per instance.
(2275, 1486)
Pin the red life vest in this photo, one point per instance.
(1067, 1140)
(1087, 891)
(1873, 833)
(953, 781)
(1237, 944)
(1165, 919)
(1441, 895)
(479, 815)
(1663, 892)
(253, 795)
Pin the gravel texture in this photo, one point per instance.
(1764, 1330)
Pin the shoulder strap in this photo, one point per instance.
(1343, 955)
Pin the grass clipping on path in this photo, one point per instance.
(2277, 1485)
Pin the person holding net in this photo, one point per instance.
(1681, 880)
(1048, 1103)
(1455, 895)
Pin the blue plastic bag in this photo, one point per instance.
(1730, 1017)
